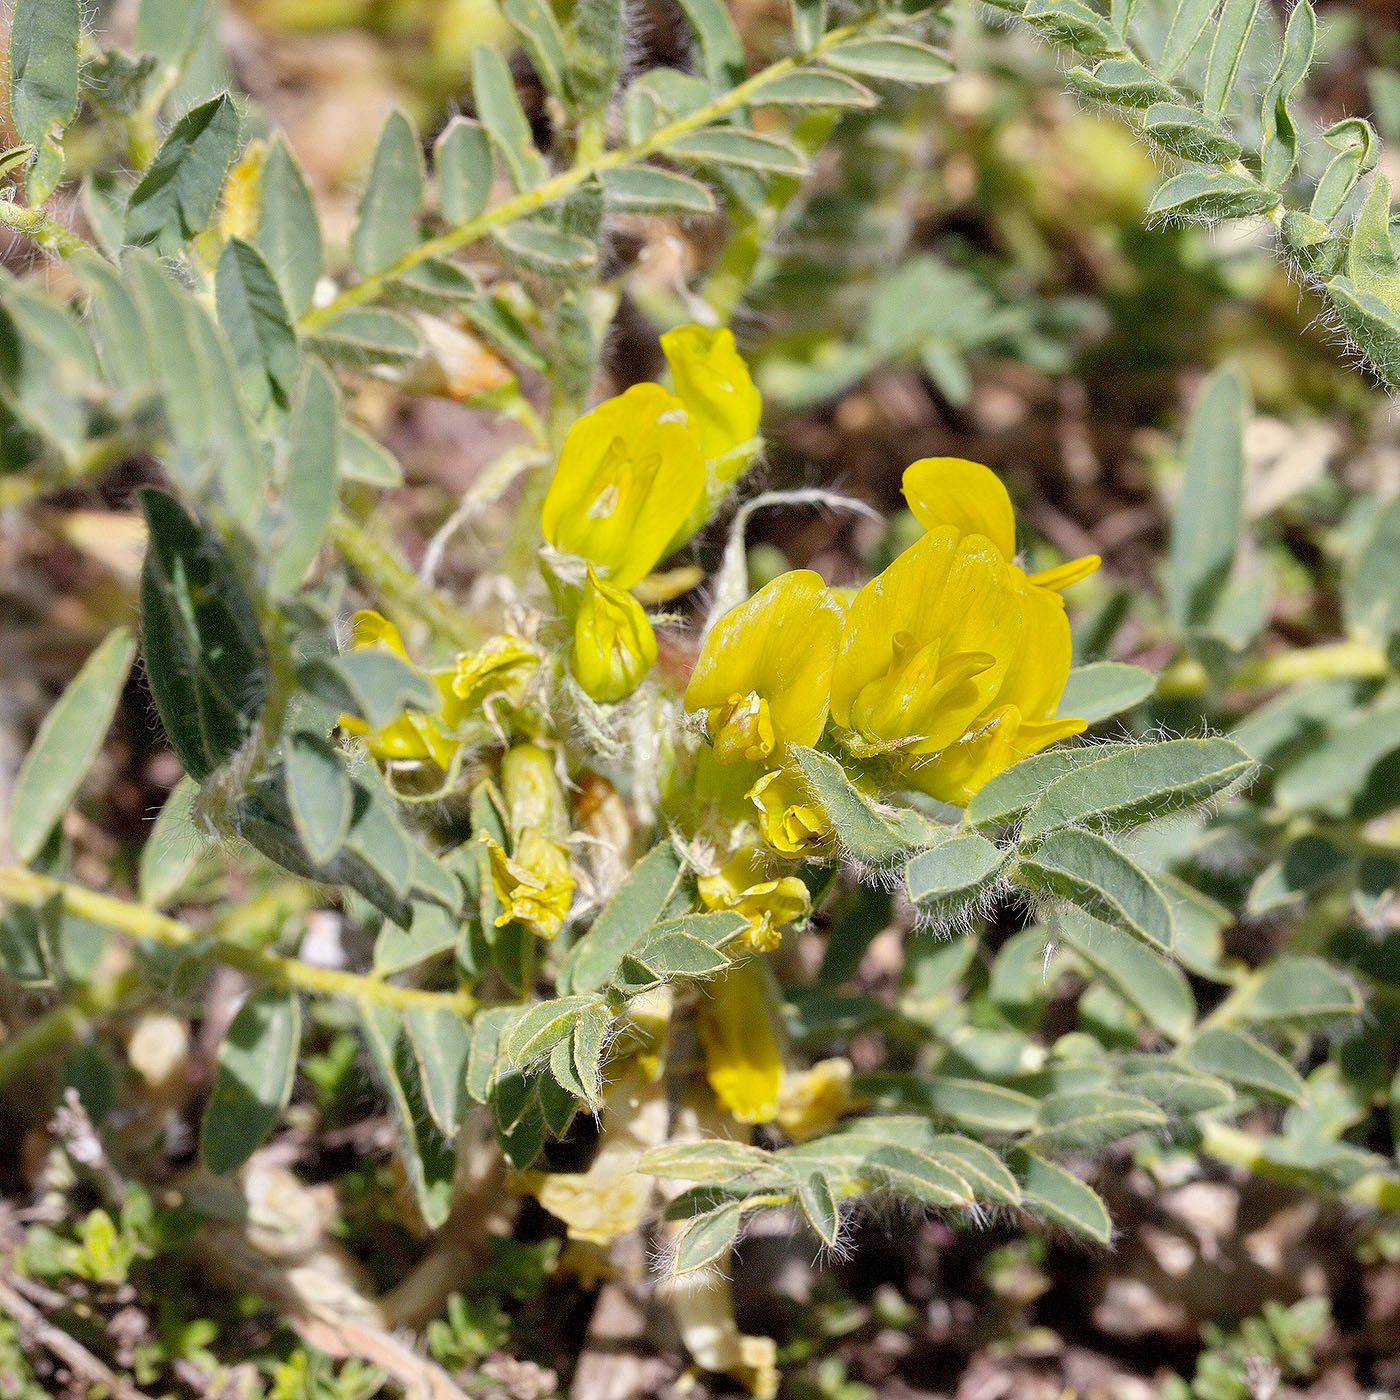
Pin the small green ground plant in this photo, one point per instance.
(564, 786)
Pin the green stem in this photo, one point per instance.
(1240, 1149)
(392, 578)
(19, 886)
(533, 200)
(1329, 660)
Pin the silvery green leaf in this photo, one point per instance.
(728, 145)
(1091, 1118)
(45, 37)
(309, 492)
(1240, 1059)
(1103, 689)
(868, 831)
(289, 232)
(177, 196)
(917, 1176)
(705, 1239)
(544, 248)
(1071, 22)
(464, 168)
(1186, 133)
(1303, 993)
(1083, 868)
(1049, 1190)
(1208, 195)
(1014, 790)
(542, 40)
(895, 57)
(364, 459)
(721, 49)
(257, 1063)
(1124, 82)
(68, 742)
(258, 326)
(499, 110)
(1132, 785)
(647, 189)
(319, 794)
(387, 227)
(1189, 20)
(1231, 34)
(364, 335)
(440, 1040)
(952, 872)
(173, 846)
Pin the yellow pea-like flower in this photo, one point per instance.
(1006, 738)
(629, 474)
(533, 883)
(614, 645)
(743, 1056)
(789, 821)
(745, 887)
(812, 1101)
(714, 384)
(763, 677)
(928, 643)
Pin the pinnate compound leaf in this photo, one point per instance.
(257, 1063)
(895, 57)
(1083, 868)
(1048, 1189)
(1134, 785)
(68, 741)
(1239, 1059)
(177, 196)
(1071, 22)
(1103, 689)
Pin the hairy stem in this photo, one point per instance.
(19, 886)
(37, 226)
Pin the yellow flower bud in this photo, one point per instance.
(238, 213)
(614, 646)
(743, 1058)
(790, 822)
(533, 883)
(764, 673)
(628, 476)
(714, 384)
(531, 788)
(744, 886)
(810, 1103)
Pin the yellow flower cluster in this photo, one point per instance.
(636, 478)
(951, 662)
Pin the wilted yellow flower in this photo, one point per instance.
(714, 384)
(628, 476)
(503, 667)
(414, 735)
(790, 822)
(614, 645)
(811, 1101)
(533, 883)
(743, 1059)
(744, 886)
(764, 673)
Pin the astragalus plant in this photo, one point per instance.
(573, 807)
